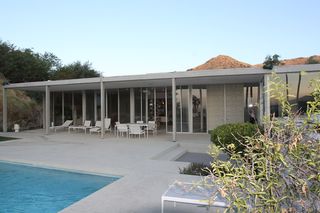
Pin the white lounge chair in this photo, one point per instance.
(96, 128)
(139, 122)
(65, 125)
(191, 193)
(86, 125)
(136, 130)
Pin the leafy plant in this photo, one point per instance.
(233, 135)
(271, 61)
(279, 170)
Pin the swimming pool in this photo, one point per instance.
(31, 189)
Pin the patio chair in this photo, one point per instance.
(96, 128)
(86, 125)
(65, 125)
(139, 122)
(136, 130)
(122, 129)
(152, 127)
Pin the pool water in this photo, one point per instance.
(31, 189)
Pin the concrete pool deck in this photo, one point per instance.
(144, 164)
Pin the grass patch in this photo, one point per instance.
(2, 138)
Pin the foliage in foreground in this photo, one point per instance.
(278, 170)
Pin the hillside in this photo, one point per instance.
(221, 62)
(21, 109)
(225, 62)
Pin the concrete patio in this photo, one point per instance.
(145, 165)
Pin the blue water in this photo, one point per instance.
(31, 189)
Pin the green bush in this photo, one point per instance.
(235, 134)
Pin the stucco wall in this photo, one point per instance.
(216, 113)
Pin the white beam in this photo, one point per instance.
(4, 110)
(47, 109)
(118, 105)
(155, 105)
(62, 105)
(44, 110)
(102, 108)
(106, 101)
(147, 104)
(190, 110)
(95, 111)
(84, 106)
(132, 113)
(174, 113)
(72, 108)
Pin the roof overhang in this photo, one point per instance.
(203, 77)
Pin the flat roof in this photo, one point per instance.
(199, 77)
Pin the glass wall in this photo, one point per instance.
(113, 105)
(199, 109)
(298, 92)
(90, 106)
(251, 103)
(124, 105)
(67, 106)
(160, 108)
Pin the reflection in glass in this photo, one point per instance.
(124, 105)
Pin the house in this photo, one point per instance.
(180, 102)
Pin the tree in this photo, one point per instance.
(271, 61)
(23, 65)
(74, 70)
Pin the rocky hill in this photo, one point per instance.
(225, 62)
(21, 109)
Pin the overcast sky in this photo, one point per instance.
(134, 37)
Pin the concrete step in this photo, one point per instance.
(171, 153)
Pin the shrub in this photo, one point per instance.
(279, 170)
(235, 134)
(195, 169)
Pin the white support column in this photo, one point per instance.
(47, 109)
(155, 105)
(132, 113)
(102, 96)
(52, 109)
(84, 106)
(201, 111)
(261, 93)
(95, 112)
(166, 104)
(74, 116)
(140, 104)
(62, 105)
(174, 113)
(4, 110)
(147, 105)
(118, 105)
(106, 101)
(190, 110)
(266, 96)
(224, 104)
(44, 110)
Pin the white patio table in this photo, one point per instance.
(191, 193)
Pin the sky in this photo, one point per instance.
(147, 36)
